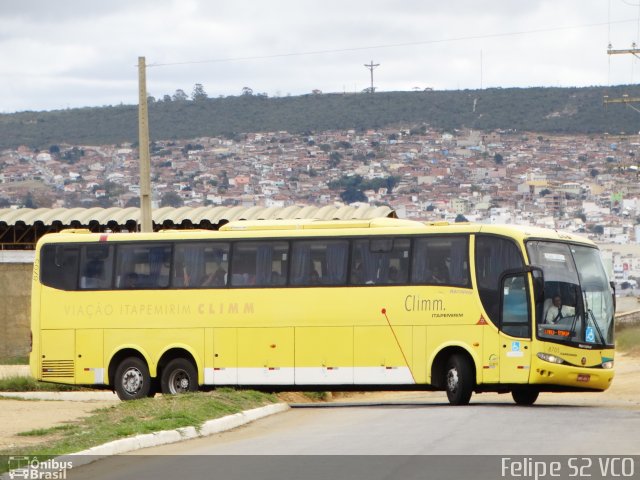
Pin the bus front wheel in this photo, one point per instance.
(132, 379)
(524, 396)
(179, 376)
(459, 380)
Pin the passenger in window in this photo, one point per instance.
(557, 311)
(217, 278)
(356, 273)
(131, 280)
(394, 275)
(440, 274)
(182, 277)
(314, 277)
(276, 278)
(92, 274)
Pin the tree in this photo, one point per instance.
(247, 91)
(171, 199)
(54, 150)
(166, 98)
(498, 159)
(594, 172)
(133, 202)
(180, 96)
(352, 194)
(334, 159)
(28, 201)
(198, 93)
(391, 183)
(461, 218)
(544, 192)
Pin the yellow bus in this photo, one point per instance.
(332, 305)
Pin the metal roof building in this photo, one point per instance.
(21, 228)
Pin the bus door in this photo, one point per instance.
(515, 329)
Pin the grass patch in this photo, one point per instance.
(628, 339)
(14, 361)
(317, 396)
(43, 432)
(140, 416)
(28, 384)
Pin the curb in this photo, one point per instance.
(89, 396)
(163, 437)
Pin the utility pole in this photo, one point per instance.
(146, 223)
(625, 98)
(371, 66)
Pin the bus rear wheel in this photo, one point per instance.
(458, 380)
(132, 379)
(179, 376)
(524, 396)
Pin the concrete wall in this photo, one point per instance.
(15, 309)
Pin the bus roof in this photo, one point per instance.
(312, 228)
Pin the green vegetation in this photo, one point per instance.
(628, 339)
(139, 417)
(28, 384)
(14, 361)
(553, 110)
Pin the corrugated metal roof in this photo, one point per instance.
(215, 215)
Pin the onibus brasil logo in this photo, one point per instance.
(31, 468)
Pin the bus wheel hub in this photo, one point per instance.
(452, 380)
(132, 380)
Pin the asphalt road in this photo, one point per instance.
(413, 424)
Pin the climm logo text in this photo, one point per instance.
(415, 303)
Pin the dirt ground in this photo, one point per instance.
(24, 415)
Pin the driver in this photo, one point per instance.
(558, 311)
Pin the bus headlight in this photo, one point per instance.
(547, 357)
(608, 364)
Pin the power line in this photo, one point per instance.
(392, 45)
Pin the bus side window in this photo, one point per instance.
(260, 263)
(441, 261)
(319, 262)
(96, 265)
(494, 255)
(59, 266)
(200, 265)
(514, 319)
(380, 261)
(147, 264)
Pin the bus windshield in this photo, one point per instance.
(578, 302)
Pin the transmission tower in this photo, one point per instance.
(625, 98)
(371, 66)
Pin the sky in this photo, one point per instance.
(82, 53)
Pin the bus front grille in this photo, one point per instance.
(57, 368)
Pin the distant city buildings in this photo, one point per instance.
(583, 184)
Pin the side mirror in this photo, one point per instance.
(538, 283)
(613, 287)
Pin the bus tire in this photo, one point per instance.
(179, 376)
(524, 395)
(458, 380)
(132, 379)
(154, 388)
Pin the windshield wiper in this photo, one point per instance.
(590, 314)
